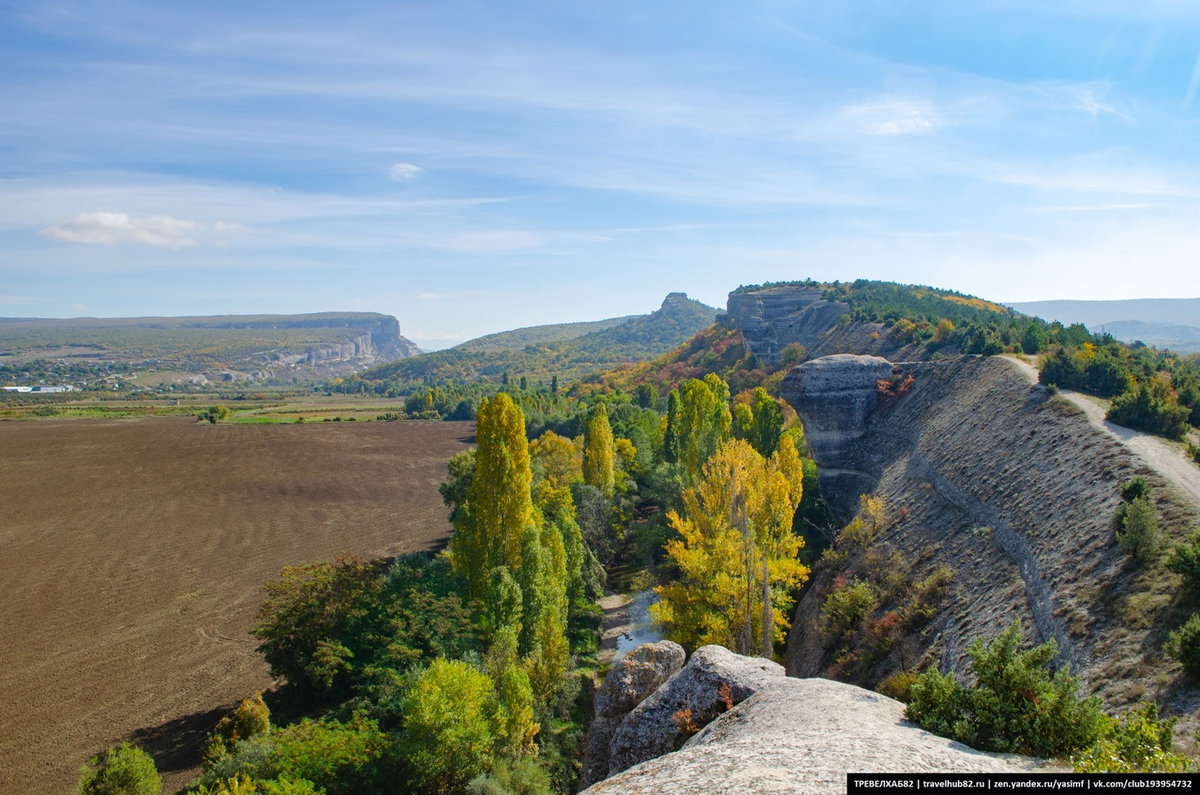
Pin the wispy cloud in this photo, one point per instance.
(894, 117)
(403, 171)
(115, 229)
(14, 300)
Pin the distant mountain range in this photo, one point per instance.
(1162, 322)
(568, 350)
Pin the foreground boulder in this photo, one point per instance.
(636, 676)
(803, 736)
(713, 680)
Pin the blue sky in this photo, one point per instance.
(472, 167)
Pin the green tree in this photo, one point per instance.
(450, 726)
(1137, 529)
(759, 422)
(314, 618)
(489, 531)
(1016, 705)
(127, 770)
(701, 424)
(250, 718)
(598, 451)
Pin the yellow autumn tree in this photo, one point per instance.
(598, 451)
(737, 552)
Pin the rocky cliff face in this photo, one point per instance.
(1006, 484)
(802, 736)
(371, 340)
(773, 318)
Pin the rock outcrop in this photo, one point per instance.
(803, 736)
(713, 679)
(837, 396)
(773, 318)
(1007, 485)
(635, 677)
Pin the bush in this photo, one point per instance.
(1134, 489)
(1184, 560)
(522, 777)
(1150, 406)
(125, 771)
(213, 414)
(1137, 529)
(1016, 705)
(1137, 742)
(899, 685)
(1184, 645)
(341, 758)
(249, 719)
(450, 726)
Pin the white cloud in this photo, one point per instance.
(403, 171)
(78, 307)
(113, 229)
(894, 117)
(14, 300)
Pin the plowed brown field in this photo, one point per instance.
(132, 558)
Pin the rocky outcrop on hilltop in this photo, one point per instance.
(1007, 484)
(803, 736)
(636, 676)
(772, 318)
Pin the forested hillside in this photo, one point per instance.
(565, 359)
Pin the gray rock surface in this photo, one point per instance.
(803, 736)
(836, 397)
(650, 730)
(773, 318)
(637, 675)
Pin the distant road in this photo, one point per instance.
(1163, 457)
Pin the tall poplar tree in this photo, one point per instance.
(488, 531)
(598, 451)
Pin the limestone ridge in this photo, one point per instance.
(775, 317)
(647, 696)
(635, 677)
(1009, 486)
(803, 736)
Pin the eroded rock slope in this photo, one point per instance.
(1008, 485)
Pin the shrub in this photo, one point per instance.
(899, 685)
(250, 718)
(1184, 560)
(125, 771)
(792, 354)
(522, 777)
(450, 726)
(340, 758)
(213, 414)
(1016, 705)
(846, 607)
(1137, 742)
(1184, 645)
(1150, 406)
(1137, 529)
(1135, 488)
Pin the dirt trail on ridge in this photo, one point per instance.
(1155, 452)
